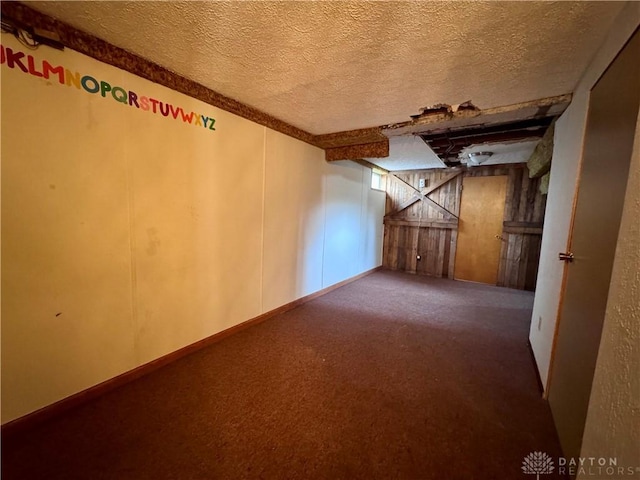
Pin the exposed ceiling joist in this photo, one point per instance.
(449, 145)
(448, 132)
(441, 122)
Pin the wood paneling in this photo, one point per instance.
(420, 229)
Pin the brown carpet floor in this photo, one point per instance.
(391, 377)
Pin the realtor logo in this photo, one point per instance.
(537, 463)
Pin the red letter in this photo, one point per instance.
(144, 103)
(47, 69)
(154, 102)
(186, 118)
(13, 59)
(174, 111)
(32, 67)
(165, 113)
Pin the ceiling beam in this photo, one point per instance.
(524, 126)
(476, 138)
(350, 137)
(352, 152)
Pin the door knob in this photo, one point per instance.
(499, 237)
(565, 257)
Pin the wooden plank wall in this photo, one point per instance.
(421, 230)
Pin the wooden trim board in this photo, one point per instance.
(23, 424)
(421, 223)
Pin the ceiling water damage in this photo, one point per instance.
(451, 132)
(449, 145)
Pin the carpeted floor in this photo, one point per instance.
(391, 377)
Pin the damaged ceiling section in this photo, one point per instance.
(450, 145)
(450, 133)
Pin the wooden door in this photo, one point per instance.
(613, 110)
(480, 229)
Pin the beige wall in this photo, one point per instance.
(128, 235)
(567, 153)
(613, 421)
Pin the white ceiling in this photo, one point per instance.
(513, 152)
(333, 66)
(408, 152)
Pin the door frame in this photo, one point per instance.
(570, 233)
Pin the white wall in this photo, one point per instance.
(293, 190)
(127, 235)
(612, 429)
(567, 154)
(353, 235)
(324, 214)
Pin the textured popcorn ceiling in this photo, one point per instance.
(333, 66)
